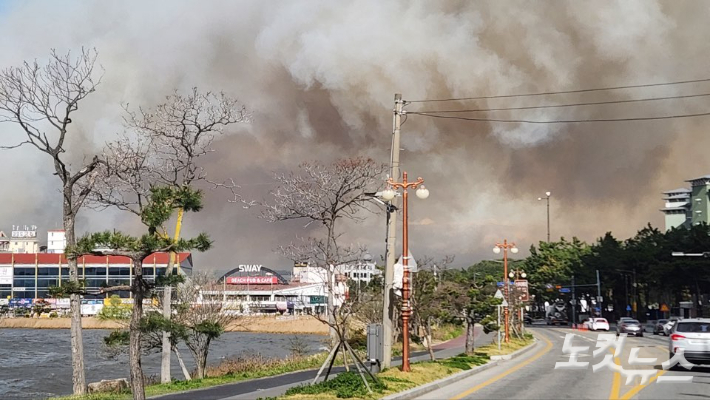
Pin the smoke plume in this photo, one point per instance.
(320, 78)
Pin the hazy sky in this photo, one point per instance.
(320, 78)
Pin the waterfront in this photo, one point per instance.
(36, 363)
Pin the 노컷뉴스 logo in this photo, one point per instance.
(605, 343)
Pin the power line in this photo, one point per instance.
(561, 121)
(590, 103)
(563, 92)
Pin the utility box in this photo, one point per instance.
(375, 346)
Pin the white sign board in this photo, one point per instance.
(250, 267)
(5, 275)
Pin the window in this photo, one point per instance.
(692, 327)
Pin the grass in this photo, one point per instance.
(235, 370)
(349, 385)
(505, 348)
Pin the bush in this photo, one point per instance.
(464, 362)
(358, 340)
(53, 314)
(345, 385)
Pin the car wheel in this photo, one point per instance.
(655, 333)
(640, 334)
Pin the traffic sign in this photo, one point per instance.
(548, 286)
(664, 308)
(628, 308)
(564, 290)
(498, 295)
(504, 303)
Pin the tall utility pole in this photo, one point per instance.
(547, 197)
(574, 304)
(389, 303)
(599, 294)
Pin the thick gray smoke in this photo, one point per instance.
(320, 78)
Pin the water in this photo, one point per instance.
(36, 363)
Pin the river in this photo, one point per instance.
(36, 363)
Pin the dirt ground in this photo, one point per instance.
(266, 324)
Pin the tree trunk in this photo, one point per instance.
(134, 349)
(185, 372)
(201, 362)
(429, 344)
(77, 342)
(470, 330)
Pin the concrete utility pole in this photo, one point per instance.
(389, 303)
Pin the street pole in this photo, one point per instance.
(389, 194)
(574, 304)
(389, 303)
(599, 294)
(548, 218)
(499, 306)
(507, 296)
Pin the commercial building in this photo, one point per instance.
(686, 207)
(56, 241)
(23, 239)
(29, 276)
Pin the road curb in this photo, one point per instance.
(431, 386)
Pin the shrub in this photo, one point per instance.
(53, 314)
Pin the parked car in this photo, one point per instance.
(527, 319)
(693, 336)
(630, 327)
(597, 324)
(658, 327)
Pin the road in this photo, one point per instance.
(533, 375)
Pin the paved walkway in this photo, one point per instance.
(277, 385)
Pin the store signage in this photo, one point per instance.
(5, 275)
(252, 280)
(249, 267)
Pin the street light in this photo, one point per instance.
(389, 194)
(505, 246)
(515, 275)
(547, 197)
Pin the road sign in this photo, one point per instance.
(628, 308)
(564, 290)
(599, 299)
(504, 303)
(664, 308)
(548, 286)
(498, 295)
(522, 287)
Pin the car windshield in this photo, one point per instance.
(631, 322)
(693, 327)
(601, 320)
(662, 321)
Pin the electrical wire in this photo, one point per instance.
(563, 91)
(590, 103)
(561, 121)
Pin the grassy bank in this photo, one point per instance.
(228, 371)
(349, 385)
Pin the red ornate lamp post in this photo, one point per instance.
(505, 246)
(389, 194)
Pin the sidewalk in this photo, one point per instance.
(277, 385)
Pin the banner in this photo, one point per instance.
(252, 280)
(5, 275)
(522, 287)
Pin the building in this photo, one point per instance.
(56, 241)
(4, 242)
(23, 239)
(686, 207)
(29, 276)
(677, 208)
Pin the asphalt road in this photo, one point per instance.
(533, 375)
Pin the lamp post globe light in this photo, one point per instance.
(389, 194)
(505, 246)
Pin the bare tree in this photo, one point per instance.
(163, 147)
(41, 100)
(425, 306)
(204, 316)
(324, 194)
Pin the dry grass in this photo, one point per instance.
(505, 348)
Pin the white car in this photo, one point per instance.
(597, 324)
(693, 337)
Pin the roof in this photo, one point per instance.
(56, 258)
(704, 177)
(681, 190)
